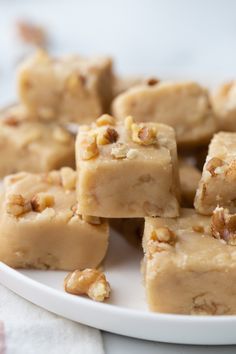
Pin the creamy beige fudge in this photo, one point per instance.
(69, 89)
(40, 226)
(32, 146)
(190, 263)
(127, 169)
(189, 178)
(218, 182)
(185, 106)
(224, 104)
(122, 84)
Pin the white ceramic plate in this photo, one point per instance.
(126, 312)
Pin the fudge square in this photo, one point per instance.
(40, 227)
(127, 169)
(224, 104)
(218, 182)
(189, 265)
(70, 89)
(32, 146)
(183, 105)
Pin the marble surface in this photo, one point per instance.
(167, 38)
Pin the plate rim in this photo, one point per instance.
(11, 277)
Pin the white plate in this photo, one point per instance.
(126, 312)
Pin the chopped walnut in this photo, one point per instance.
(109, 136)
(213, 164)
(105, 119)
(42, 201)
(53, 177)
(47, 214)
(223, 225)
(230, 173)
(152, 81)
(68, 178)
(94, 220)
(88, 148)
(31, 33)
(164, 234)
(17, 205)
(144, 135)
(89, 282)
(11, 121)
(61, 135)
(198, 228)
(119, 151)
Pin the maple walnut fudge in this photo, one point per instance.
(127, 170)
(224, 104)
(40, 227)
(189, 178)
(185, 106)
(218, 182)
(190, 263)
(70, 89)
(32, 146)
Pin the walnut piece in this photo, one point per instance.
(91, 282)
(68, 178)
(11, 121)
(223, 225)
(109, 136)
(30, 33)
(152, 81)
(17, 205)
(42, 201)
(144, 135)
(105, 119)
(164, 234)
(213, 164)
(88, 147)
(119, 151)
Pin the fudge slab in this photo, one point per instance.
(185, 106)
(69, 89)
(127, 169)
(224, 104)
(218, 182)
(186, 269)
(189, 178)
(32, 146)
(40, 227)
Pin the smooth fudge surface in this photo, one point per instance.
(32, 146)
(224, 104)
(218, 182)
(185, 106)
(127, 170)
(69, 89)
(186, 269)
(40, 227)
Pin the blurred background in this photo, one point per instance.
(167, 38)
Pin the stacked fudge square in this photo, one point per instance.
(127, 166)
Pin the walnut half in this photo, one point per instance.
(223, 225)
(17, 205)
(89, 282)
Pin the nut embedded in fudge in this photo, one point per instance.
(41, 228)
(217, 186)
(185, 106)
(189, 265)
(31, 145)
(68, 89)
(127, 169)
